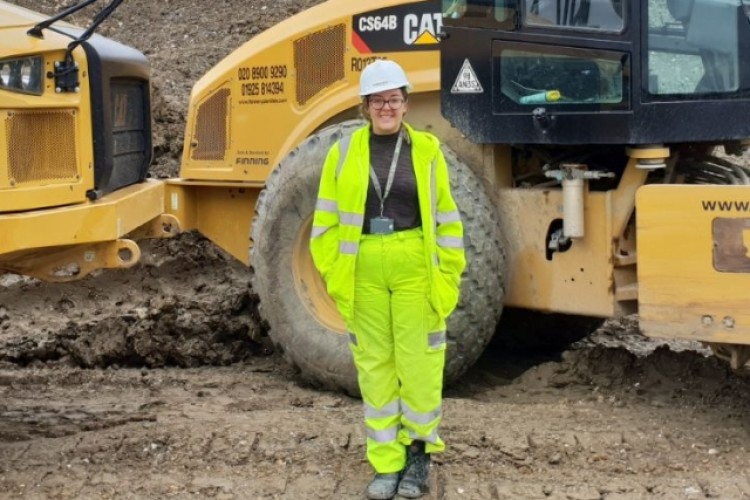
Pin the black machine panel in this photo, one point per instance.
(121, 114)
(596, 71)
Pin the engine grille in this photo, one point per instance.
(130, 136)
(211, 127)
(41, 147)
(319, 61)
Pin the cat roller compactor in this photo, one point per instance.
(594, 149)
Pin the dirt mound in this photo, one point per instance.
(185, 304)
(683, 374)
(618, 359)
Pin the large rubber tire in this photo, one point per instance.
(302, 319)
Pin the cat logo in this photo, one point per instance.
(422, 29)
(401, 28)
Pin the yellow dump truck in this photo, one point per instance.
(580, 137)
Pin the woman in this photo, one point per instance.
(388, 241)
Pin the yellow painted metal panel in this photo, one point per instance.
(30, 197)
(694, 262)
(225, 216)
(264, 126)
(221, 212)
(179, 200)
(40, 114)
(107, 219)
(578, 281)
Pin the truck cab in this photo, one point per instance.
(597, 71)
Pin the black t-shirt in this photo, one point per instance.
(402, 203)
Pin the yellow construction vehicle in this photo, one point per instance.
(75, 123)
(579, 137)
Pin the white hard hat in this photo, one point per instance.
(382, 75)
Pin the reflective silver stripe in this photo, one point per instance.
(348, 247)
(353, 339)
(327, 205)
(351, 219)
(450, 242)
(435, 259)
(384, 436)
(343, 149)
(319, 231)
(421, 418)
(433, 196)
(432, 438)
(445, 217)
(436, 339)
(392, 409)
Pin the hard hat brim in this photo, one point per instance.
(384, 88)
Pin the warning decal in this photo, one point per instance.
(467, 81)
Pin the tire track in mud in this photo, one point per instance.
(592, 422)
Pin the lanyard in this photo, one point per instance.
(391, 174)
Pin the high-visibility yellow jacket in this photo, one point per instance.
(339, 215)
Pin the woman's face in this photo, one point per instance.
(387, 119)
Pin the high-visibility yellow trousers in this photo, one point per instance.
(398, 341)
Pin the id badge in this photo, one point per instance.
(381, 225)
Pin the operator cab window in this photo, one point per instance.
(564, 77)
(480, 13)
(590, 15)
(693, 46)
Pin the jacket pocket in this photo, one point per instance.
(340, 285)
(444, 294)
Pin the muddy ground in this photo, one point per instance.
(158, 382)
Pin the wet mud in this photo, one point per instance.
(159, 381)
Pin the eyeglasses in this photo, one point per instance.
(378, 102)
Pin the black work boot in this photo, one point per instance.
(383, 487)
(414, 481)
